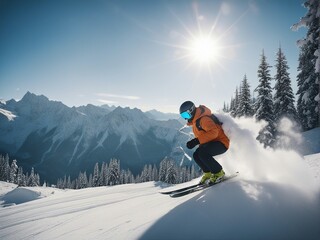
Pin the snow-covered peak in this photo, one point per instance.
(110, 108)
(127, 123)
(92, 111)
(155, 114)
(33, 98)
(128, 115)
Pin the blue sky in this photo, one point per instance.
(139, 53)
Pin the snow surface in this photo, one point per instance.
(313, 161)
(7, 114)
(275, 196)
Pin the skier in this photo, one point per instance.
(210, 137)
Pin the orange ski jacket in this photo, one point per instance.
(210, 131)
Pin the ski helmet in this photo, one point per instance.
(187, 110)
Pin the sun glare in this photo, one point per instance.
(204, 49)
(203, 45)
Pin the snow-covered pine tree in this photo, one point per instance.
(239, 101)
(126, 177)
(155, 174)
(114, 172)
(37, 179)
(309, 67)
(96, 173)
(64, 182)
(13, 171)
(264, 104)
(232, 104)
(235, 105)
(283, 97)
(245, 107)
(172, 175)
(90, 181)
(3, 175)
(7, 168)
(225, 107)
(302, 103)
(82, 180)
(163, 170)
(193, 172)
(146, 174)
(20, 177)
(32, 182)
(102, 177)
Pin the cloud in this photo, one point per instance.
(118, 96)
(104, 101)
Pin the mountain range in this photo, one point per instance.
(58, 140)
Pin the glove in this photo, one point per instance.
(192, 143)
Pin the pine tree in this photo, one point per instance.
(7, 168)
(145, 176)
(163, 170)
(245, 107)
(32, 181)
(69, 184)
(172, 175)
(3, 176)
(82, 180)
(235, 105)
(90, 181)
(104, 174)
(114, 172)
(96, 173)
(20, 177)
(302, 102)
(284, 97)
(309, 67)
(37, 179)
(155, 174)
(264, 104)
(225, 107)
(13, 172)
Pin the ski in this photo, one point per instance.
(182, 189)
(199, 187)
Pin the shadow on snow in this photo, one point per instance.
(242, 210)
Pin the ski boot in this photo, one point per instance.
(206, 176)
(217, 177)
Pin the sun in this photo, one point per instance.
(203, 45)
(204, 49)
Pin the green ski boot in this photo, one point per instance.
(217, 177)
(206, 176)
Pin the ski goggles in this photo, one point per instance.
(186, 115)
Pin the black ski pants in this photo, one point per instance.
(203, 156)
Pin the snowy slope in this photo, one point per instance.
(276, 196)
(313, 161)
(238, 209)
(9, 115)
